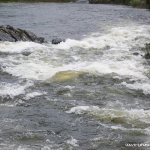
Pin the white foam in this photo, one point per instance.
(72, 142)
(7, 105)
(144, 86)
(18, 47)
(117, 37)
(34, 94)
(46, 148)
(135, 117)
(82, 109)
(13, 89)
(128, 68)
(23, 148)
(118, 59)
(41, 71)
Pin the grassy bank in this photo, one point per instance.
(134, 3)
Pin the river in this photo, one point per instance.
(90, 92)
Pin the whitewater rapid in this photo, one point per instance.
(63, 68)
(111, 53)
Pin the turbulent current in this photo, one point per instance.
(91, 92)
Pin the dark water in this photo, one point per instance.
(88, 93)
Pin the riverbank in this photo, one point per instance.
(134, 3)
(34, 1)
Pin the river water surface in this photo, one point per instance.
(88, 93)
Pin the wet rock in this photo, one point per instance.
(147, 51)
(11, 34)
(136, 53)
(57, 40)
(26, 53)
(6, 37)
(147, 56)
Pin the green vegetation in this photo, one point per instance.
(138, 3)
(134, 3)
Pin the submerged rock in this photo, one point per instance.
(66, 75)
(57, 40)
(11, 34)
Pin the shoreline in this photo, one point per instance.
(143, 5)
(132, 3)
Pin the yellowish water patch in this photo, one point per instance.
(66, 75)
(137, 118)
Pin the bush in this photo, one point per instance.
(137, 3)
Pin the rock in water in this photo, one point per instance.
(147, 51)
(57, 40)
(147, 56)
(136, 53)
(26, 53)
(11, 34)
